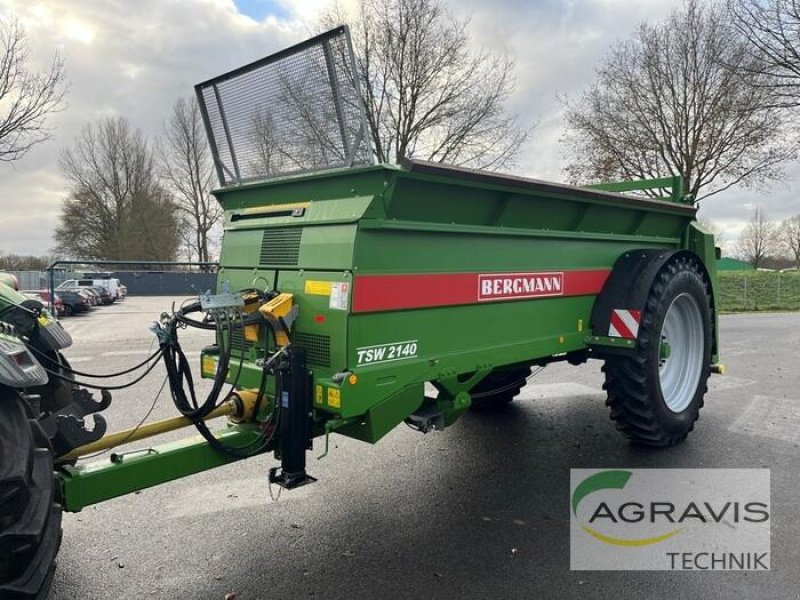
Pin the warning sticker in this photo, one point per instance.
(340, 291)
(318, 288)
(334, 398)
(624, 323)
(209, 366)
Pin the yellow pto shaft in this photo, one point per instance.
(239, 407)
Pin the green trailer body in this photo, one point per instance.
(433, 274)
(411, 275)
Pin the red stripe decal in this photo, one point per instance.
(395, 292)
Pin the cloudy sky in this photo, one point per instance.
(136, 58)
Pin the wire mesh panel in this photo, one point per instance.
(295, 111)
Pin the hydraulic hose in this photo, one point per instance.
(179, 377)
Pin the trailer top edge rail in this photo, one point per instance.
(475, 176)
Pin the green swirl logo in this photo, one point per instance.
(611, 480)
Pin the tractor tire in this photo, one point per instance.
(656, 395)
(30, 516)
(499, 388)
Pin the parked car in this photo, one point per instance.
(74, 302)
(105, 296)
(121, 289)
(58, 306)
(92, 295)
(111, 284)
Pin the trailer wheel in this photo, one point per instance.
(30, 517)
(499, 388)
(655, 396)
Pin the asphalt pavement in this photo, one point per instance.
(477, 511)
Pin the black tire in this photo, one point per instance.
(30, 516)
(634, 384)
(68, 310)
(499, 388)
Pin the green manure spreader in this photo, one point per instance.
(352, 298)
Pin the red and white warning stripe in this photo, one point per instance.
(624, 323)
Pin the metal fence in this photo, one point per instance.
(759, 291)
(139, 283)
(40, 280)
(166, 283)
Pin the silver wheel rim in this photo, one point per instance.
(679, 372)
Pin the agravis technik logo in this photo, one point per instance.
(672, 519)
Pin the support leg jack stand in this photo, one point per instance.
(295, 423)
(289, 481)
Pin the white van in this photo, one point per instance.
(122, 290)
(112, 285)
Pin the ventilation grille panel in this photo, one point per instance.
(317, 347)
(238, 344)
(281, 246)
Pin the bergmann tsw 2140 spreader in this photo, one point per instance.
(344, 288)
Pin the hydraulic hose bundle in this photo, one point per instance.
(181, 381)
(252, 313)
(225, 321)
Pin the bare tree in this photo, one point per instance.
(297, 133)
(187, 246)
(758, 239)
(673, 99)
(27, 97)
(772, 27)
(188, 171)
(268, 159)
(17, 262)
(790, 235)
(426, 93)
(117, 208)
(715, 229)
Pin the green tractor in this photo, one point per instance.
(41, 415)
(344, 289)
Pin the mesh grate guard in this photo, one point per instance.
(295, 111)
